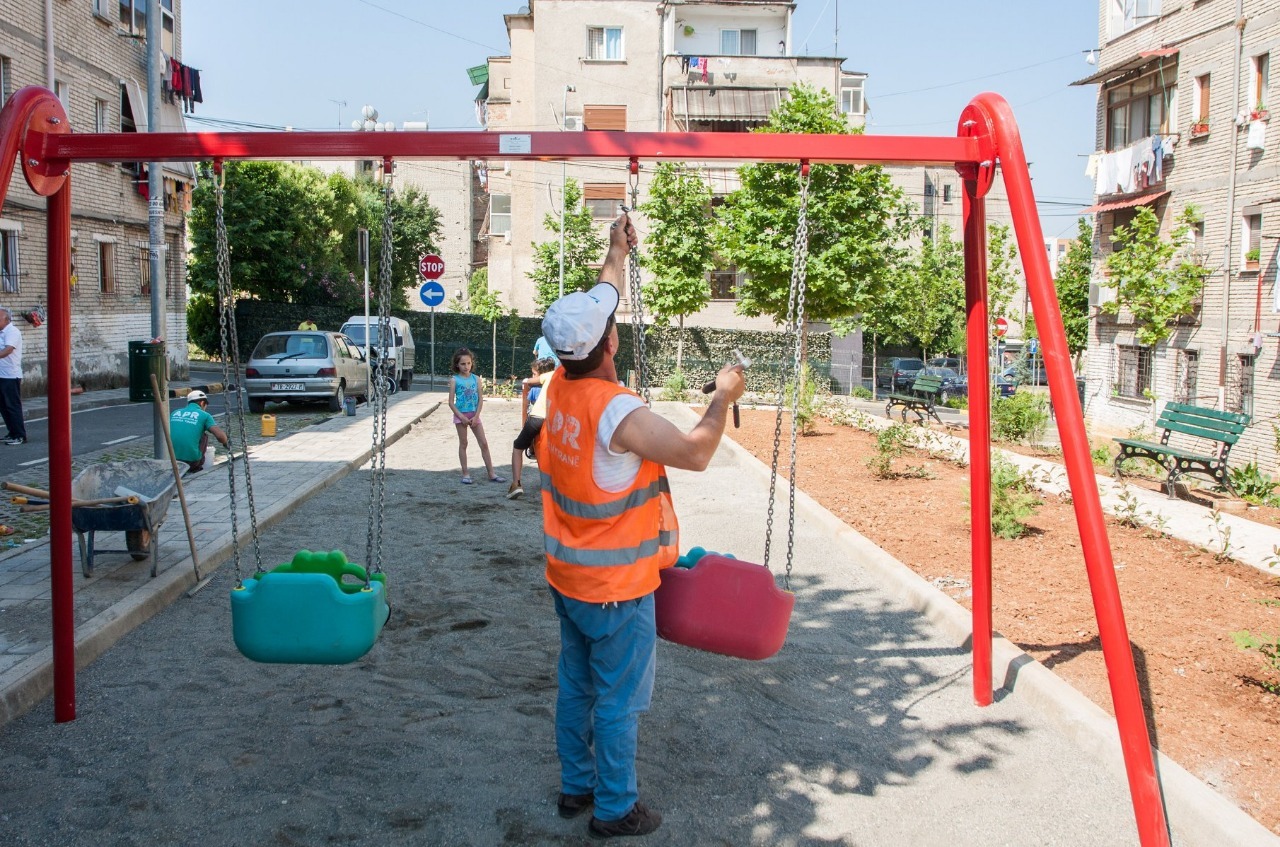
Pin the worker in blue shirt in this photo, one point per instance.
(190, 428)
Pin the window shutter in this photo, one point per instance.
(604, 191)
(605, 117)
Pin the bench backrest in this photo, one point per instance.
(1200, 422)
(927, 384)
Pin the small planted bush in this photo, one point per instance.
(1021, 418)
(861, 392)
(675, 387)
(1252, 484)
(1012, 499)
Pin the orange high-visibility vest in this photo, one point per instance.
(602, 546)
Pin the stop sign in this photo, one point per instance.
(1002, 328)
(430, 266)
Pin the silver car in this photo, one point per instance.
(304, 366)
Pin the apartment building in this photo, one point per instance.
(701, 65)
(94, 58)
(1182, 120)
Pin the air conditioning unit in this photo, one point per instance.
(573, 123)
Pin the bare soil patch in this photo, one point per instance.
(1209, 710)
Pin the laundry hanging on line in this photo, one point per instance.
(183, 82)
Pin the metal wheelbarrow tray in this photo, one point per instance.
(140, 522)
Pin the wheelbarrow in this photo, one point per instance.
(150, 479)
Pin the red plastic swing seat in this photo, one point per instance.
(724, 606)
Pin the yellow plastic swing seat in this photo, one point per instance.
(306, 611)
(723, 605)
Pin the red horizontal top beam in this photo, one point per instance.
(766, 147)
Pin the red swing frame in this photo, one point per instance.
(34, 130)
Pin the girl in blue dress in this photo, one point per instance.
(466, 399)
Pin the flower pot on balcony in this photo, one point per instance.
(1199, 129)
(1259, 115)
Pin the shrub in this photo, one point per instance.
(957, 401)
(811, 400)
(1020, 418)
(675, 387)
(1101, 456)
(1252, 484)
(891, 444)
(1012, 500)
(1267, 646)
(861, 392)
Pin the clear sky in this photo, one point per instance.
(311, 64)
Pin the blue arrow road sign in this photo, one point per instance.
(432, 293)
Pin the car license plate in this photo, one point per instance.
(288, 386)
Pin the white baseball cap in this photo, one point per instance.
(575, 323)
(196, 396)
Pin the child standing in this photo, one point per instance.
(466, 399)
(538, 385)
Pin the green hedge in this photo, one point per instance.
(705, 349)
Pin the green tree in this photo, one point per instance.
(938, 311)
(279, 228)
(415, 228)
(1156, 280)
(858, 223)
(487, 303)
(1002, 271)
(582, 250)
(1072, 283)
(679, 251)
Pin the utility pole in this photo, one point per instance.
(155, 227)
(564, 119)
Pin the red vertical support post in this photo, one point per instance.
(60, 556)
(976, 331)
(1135, 744)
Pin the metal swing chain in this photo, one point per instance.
(378, 392)
(639, 353)
(230, 377)
(793, 325)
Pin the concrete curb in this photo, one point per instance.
(31, 681)
(1197, 814)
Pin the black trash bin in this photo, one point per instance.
(145, 358)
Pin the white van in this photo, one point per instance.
(399, 344)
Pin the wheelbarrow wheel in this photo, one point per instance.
(139, 543)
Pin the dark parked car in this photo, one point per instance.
(1005, 387)
(898, 373)
(953, 385)
(1023, 373)
(954, 362)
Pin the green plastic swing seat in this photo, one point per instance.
(305, 612)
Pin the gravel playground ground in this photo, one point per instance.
(861, 731)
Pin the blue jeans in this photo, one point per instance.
(607, 659)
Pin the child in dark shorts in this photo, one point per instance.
(543, 370)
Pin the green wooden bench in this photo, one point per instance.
(1221, 429)
(921, 398)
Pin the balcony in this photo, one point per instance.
(736, 93)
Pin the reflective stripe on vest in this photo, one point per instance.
(602, 546)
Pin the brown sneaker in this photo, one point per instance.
(572, 805)
(641, 820)
(513, 493)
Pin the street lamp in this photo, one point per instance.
(564, 119)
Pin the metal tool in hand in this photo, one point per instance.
(711, 386)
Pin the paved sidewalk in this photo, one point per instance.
(121, 594)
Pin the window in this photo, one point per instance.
(9, 266)
(1251, 240)
(1140, 108)
(946, 194)
(63, 93)
(173, 276)
(1261, 70)
(723, 283)
(1185, 391)
(133, 16)
(4, 79)
(166, 26)
(106, 267)
(1202, 99)
(604, 43)
(603, 198)
(851, 89)
(499, 214)
(1240, 385)
(127, 123)
(738, 42)
(1133, 376)
(604, 117)
(144, 269)
(100, 115)
(1129, 14)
